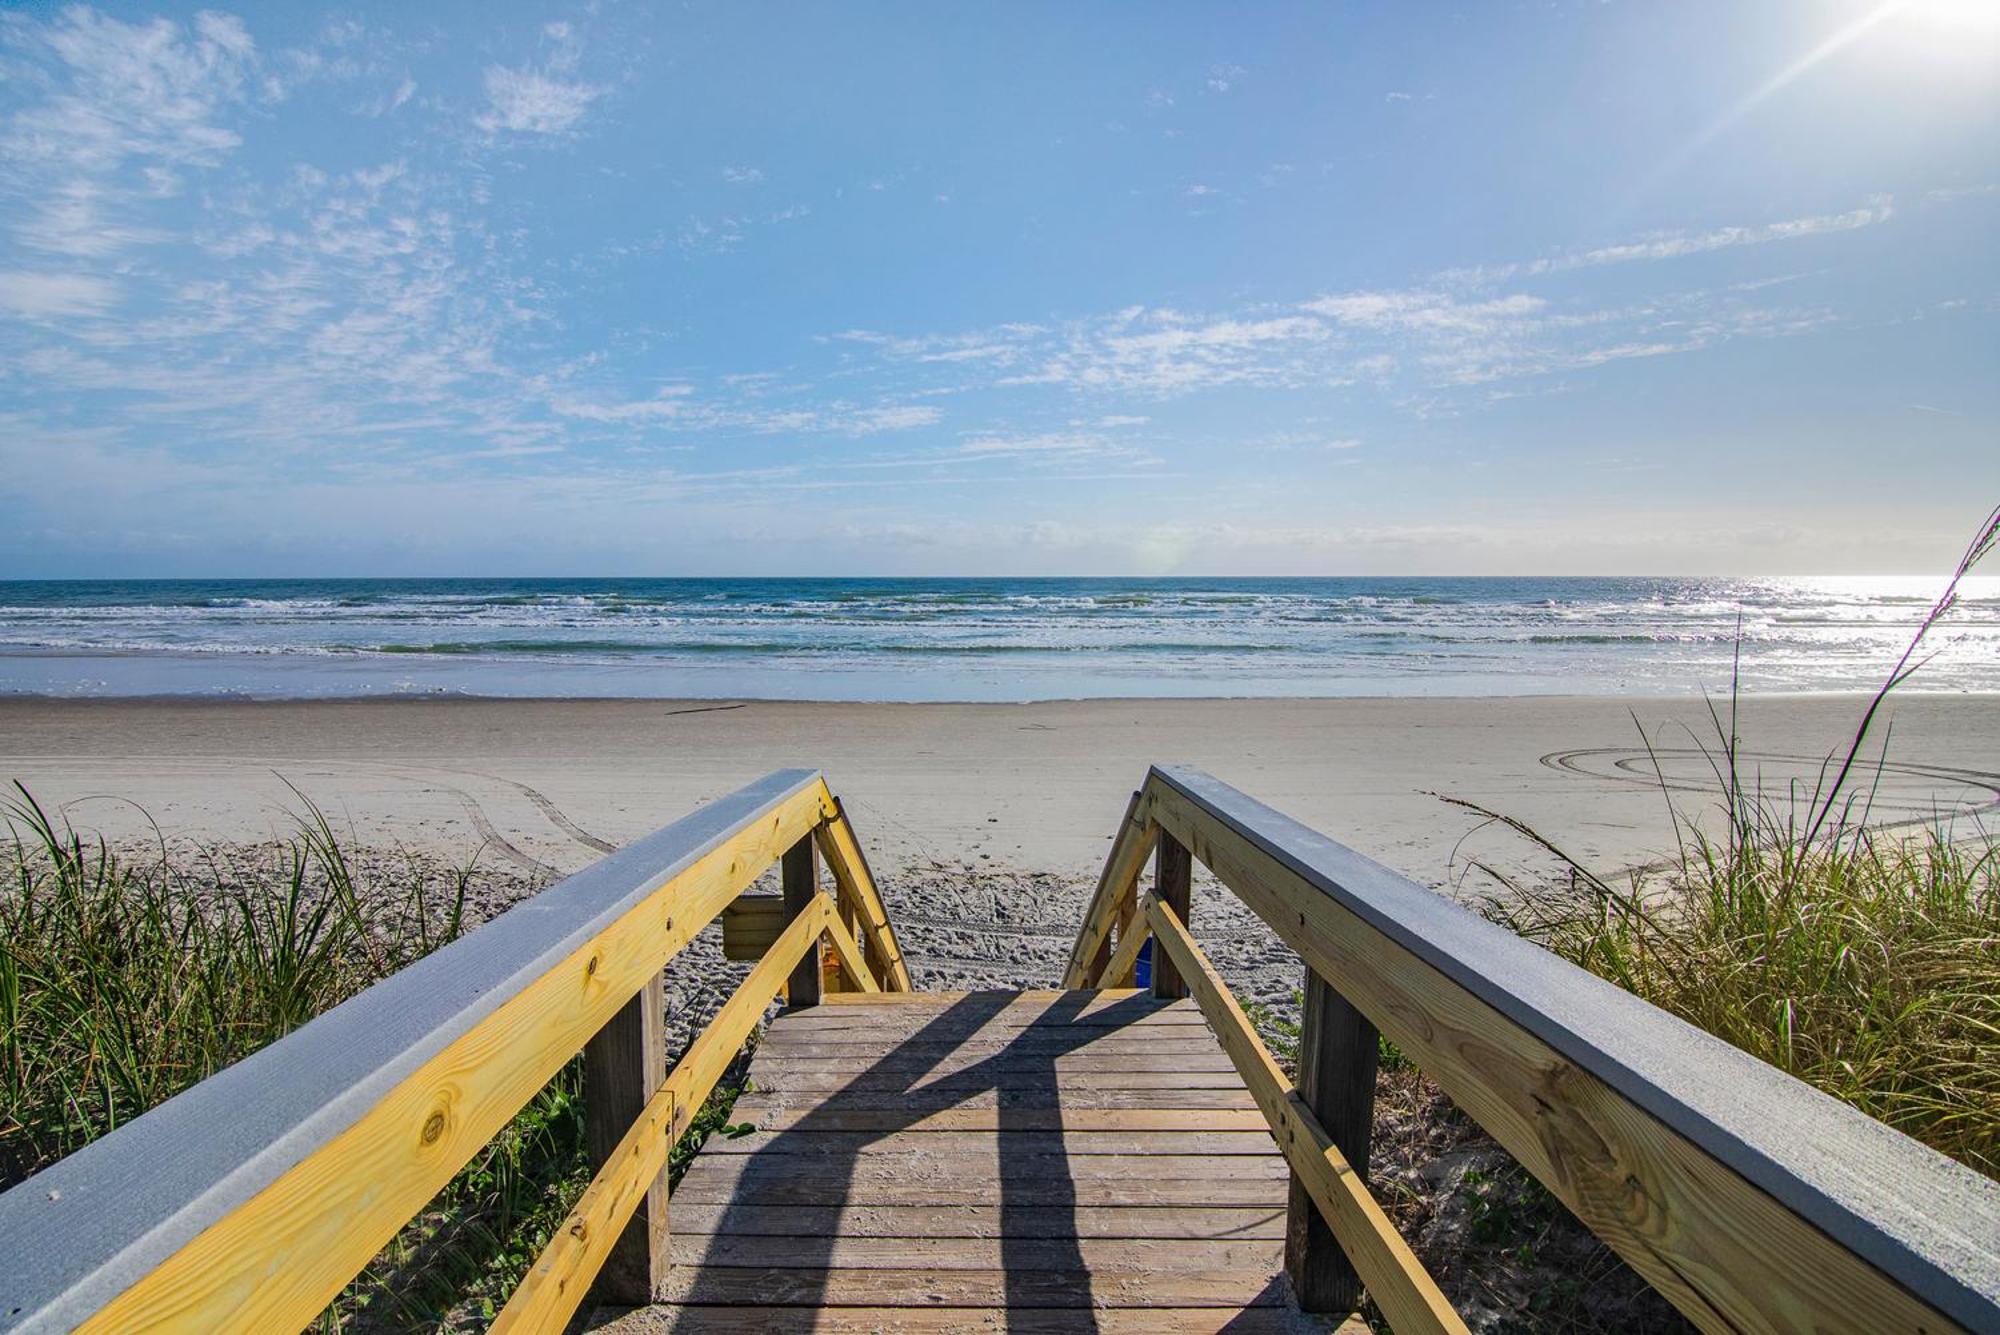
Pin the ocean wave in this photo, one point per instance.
(1566, 633)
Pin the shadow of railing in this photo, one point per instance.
(1035, 1225)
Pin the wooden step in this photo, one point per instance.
(1017, 1161)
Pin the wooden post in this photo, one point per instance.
(1094, 975)
(1337, 1054)
(800, 875)
(1173, 885)
(623, 1065)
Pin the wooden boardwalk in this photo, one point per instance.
(1035, 1161)
(1091, 1159)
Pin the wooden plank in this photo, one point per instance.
(1006, 1163)
(839, 1251)
(861, 1046)
(1173, 886)
(750, 924)
(836, 1083)
(549, 1293)
(967, 1030)
(971, 1025)
(739, 1320)
(623, 1066)
(1096, 970)
(856, 1220)
(1119, 964)
(1130, 847)
(988, 1010)
(853, 963)
(1015, 1289)
(717, 1189)
(944, 998)
(1338, 1049)
(1099, 964)
(940, 1097)
(857, 891)
(799, 880)
(1396, 1280)
(1003, 1062)
(1076, 1144)
(1751, 1201)
(316, 1149)
(754, 1108)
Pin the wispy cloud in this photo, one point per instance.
(39, 296)
(528, 101)
(1675, 245)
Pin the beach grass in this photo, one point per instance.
(124, 981)
(1863, 960)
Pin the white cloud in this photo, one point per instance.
(743, 175)
(1434, 312)
(1672, 245)
(133, 90)
(1675, 245)
(897, 417)
(40, 296)
(526, 101)
(1221, 78)
(125, 110)
(681, 407)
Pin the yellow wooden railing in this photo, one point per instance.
(249, 1202)
(1751, 1201)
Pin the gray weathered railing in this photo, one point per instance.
(251, 1199)
(1751, 1200)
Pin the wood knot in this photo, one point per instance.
(590, 967)
(433, 1127)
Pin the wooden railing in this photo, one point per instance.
(1750, 1200)
(249, 1201)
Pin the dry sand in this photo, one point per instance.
(1032, 787)
(986, 824)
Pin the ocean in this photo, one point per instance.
(981, 639)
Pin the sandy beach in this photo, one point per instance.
(547, 785)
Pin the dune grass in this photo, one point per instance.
(124, 981)
(1866, 962)
(123, 984)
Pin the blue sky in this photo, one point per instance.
(1691, 286)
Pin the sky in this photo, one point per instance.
(1695, 286)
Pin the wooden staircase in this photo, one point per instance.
(1094, 1158)
(1083, 1160)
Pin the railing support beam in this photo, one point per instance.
(623, 1066)
(800, 878)
(1173, 885)
(1337, 1057)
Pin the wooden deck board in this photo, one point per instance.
(1076, 1144)
(1033, 1161)
(742, 1319)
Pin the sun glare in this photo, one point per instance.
(1957, 17)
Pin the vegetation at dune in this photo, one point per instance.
(124, 981)
(1863, 960)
